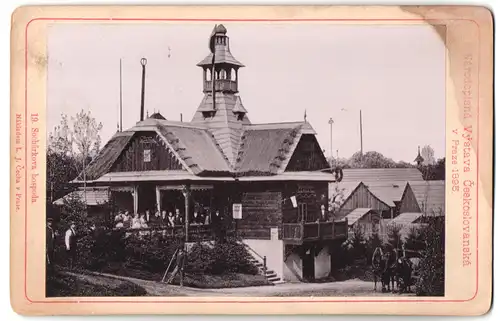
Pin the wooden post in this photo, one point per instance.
(158, 199)
(265, 265)
(135, 194)
(186, 192)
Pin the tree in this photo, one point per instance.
(370, 160)
(336, 200)
(431, 267)
(436, 171)
(339, 162)
(85, 136)
(61, 164)
(394, 236)
(415, 240)
(74, 141)
(428, 155)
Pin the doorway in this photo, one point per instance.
(147, 198)
(308, 265)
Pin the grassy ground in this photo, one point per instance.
(61, 284)
(339, 289)
(202, 281)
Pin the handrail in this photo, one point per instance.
(248, 247)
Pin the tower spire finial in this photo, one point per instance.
(305, 115)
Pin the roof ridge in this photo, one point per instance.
(284, 151)
(369, 191)
(226, 159)
(179, 147)
(237, 160)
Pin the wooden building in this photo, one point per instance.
(372, 197)
(276, 171)
(426, 197)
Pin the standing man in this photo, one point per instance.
(179, 266)
(50, 237)
(70, 242)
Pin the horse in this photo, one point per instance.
(377, 266)
(389, 263)
(403, 274)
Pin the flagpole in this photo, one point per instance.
(211, 44)
(121, 96)
(361, 131)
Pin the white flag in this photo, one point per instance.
(294, 201)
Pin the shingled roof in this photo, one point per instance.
(102, 163)
(382, 174)
(263, 151)
(197, 148)
(430, 196)
(387, 192)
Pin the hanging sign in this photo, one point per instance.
(237, 211)
(294, 201)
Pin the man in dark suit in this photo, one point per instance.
(50, 238)
(70, 242)
(179, 266)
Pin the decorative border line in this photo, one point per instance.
(239, 20)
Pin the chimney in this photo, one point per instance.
(144, 61)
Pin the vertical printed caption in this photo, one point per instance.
(463, 164)
(31, 164)
(19, 161)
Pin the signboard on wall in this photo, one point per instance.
(237, 211)
(147, 155)
(274, 233)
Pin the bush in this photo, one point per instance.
(151, 254)
(231, 257)
(355, 246)
(200, 259)
(96, 250)
(114, 252)
(431, 267)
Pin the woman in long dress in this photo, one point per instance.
(136, 222)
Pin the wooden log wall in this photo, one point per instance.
(145, 152)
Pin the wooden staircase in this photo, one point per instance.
(271, 276)
(260, 263)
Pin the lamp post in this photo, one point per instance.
(331, 141)
(144, 61)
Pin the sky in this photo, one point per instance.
(395, 74)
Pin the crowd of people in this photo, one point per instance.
(163, 219)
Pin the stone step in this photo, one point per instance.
(274, 280)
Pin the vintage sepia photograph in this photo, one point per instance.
(245, 159)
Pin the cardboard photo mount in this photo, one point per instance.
(467, 33)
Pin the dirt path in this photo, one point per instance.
(341, 288)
